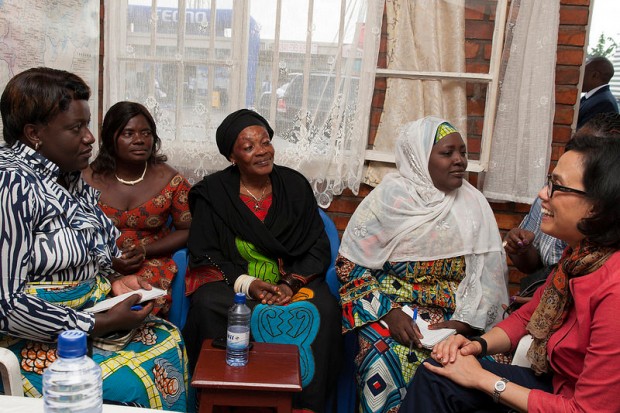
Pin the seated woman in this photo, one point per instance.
(572, 318)
(256, 229)
(57, 250)
(141, 208)
(425, 238)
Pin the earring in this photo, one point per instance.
(233, 163)
(36, 146)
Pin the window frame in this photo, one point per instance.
(491, 79)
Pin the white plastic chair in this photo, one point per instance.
(10, 373)
(520, 356)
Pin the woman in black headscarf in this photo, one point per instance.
(256, 229)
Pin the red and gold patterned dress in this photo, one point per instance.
(148, 223)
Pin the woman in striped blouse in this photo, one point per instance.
(57, 249)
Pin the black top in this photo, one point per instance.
(601, 101)
(293, 230)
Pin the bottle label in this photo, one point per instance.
(238, 340)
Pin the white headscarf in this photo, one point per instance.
(406, 218)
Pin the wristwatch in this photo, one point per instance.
(499, 387)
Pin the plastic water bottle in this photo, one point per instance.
(238, 333)
(72, 384)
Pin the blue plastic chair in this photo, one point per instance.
(345, 392)
(180, 302)
(334, 244)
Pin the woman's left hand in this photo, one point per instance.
(446, 351)
(130, 261)
(463, 370)
(460, 327)
(269, 293)
(129, 283)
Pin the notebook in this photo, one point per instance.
(108, 303)
(431, 337)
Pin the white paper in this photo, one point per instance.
(431, 337)
(106, 304)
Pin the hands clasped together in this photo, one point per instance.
(270, 294)
(457, 355)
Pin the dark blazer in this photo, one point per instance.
(600, 102)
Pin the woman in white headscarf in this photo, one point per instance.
(425, 238)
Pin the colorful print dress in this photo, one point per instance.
(148, 223)
(384, 366)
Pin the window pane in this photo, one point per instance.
(191, 67)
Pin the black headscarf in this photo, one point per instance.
(233, 124)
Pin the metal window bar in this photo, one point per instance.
(491, 78)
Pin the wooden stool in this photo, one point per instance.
(268, 380)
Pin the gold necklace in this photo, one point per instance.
(256, 200)
(122, 181)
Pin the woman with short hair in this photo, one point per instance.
(58, 248)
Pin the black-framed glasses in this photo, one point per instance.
(551, 188)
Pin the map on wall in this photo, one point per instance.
(62, 34)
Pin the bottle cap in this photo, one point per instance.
(239, 298)
(71, 344)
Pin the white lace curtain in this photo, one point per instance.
(423, 36)
(522, 136)
(306, 65)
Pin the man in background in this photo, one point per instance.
(598, 97)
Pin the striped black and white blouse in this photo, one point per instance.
(47, 233)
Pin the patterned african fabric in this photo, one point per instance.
(199, 276)
(148, 223)
(150, 371)
(444, 130)
(384, 366)
(57, 247)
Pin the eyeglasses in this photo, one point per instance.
(551, 188)
(129, 134)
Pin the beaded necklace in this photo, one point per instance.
(135, 181)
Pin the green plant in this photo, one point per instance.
(605, 46)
